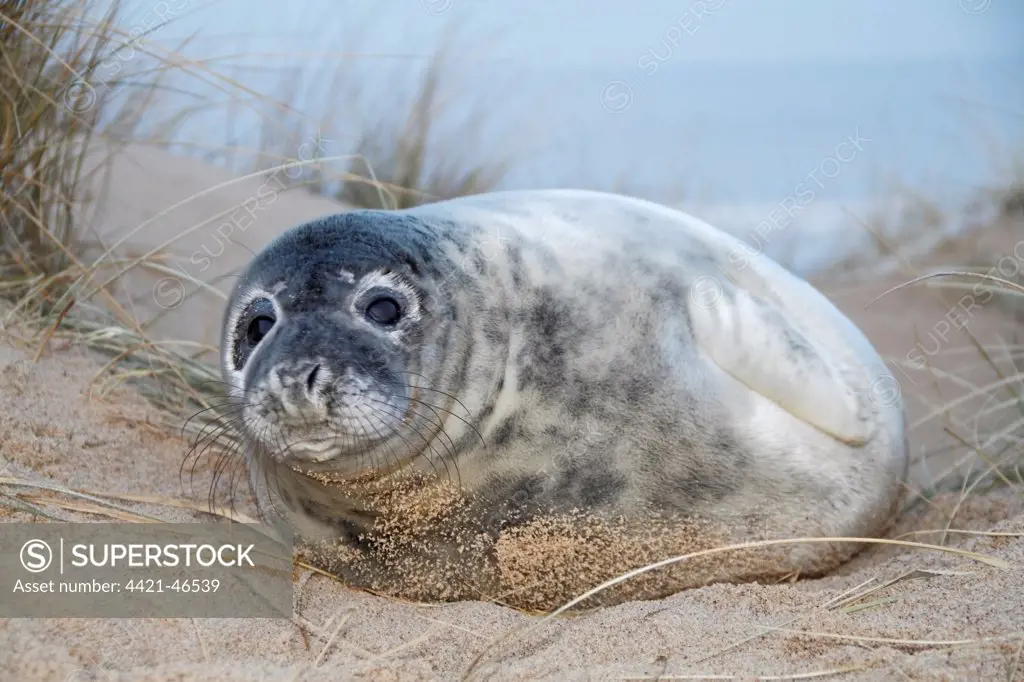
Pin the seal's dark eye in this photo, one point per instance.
(253, 323)
(384, 311)
(258, 328)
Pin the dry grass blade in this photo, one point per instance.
(173, 381)
(909, 575)
(485, 655)
(955, 531)
(814, 675)
(1005, 283)
(764, 630)
(334, 635)
(17, 504)
(155, 251)
(187, 505)
(900, 642)
(89, 508)
(974, 556)
(55, 488)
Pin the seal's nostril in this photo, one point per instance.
(311, 379)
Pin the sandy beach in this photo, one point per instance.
(894, 612)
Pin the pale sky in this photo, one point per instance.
(592, 32)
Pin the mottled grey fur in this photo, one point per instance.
(556, 366)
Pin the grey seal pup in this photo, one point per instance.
(517, 395)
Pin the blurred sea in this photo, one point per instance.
(729, 142)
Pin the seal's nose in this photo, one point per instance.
(314, 387)
(303, 390)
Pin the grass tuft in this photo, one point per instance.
(49, 113)
(59, 105)
(402, 154)
(398, 154)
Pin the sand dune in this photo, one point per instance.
(201, 221)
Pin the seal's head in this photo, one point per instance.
(327, 339)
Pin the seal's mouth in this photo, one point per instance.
(332, 475)
(341, 439)
(346, 424)
(329, 452)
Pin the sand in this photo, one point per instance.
(933, 616)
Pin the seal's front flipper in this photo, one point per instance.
(757, 344)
